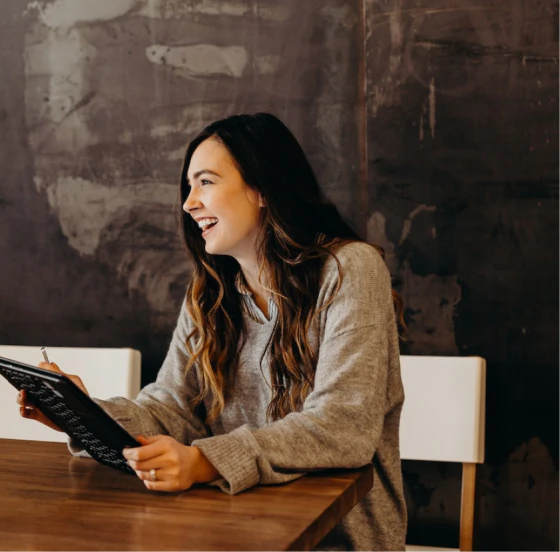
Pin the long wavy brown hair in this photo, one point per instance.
(300, 229)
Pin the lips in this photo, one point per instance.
(207, 229)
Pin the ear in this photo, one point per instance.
(262, 202)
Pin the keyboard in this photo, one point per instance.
(78, 425)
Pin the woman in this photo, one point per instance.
(285, 356)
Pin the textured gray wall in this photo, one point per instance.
(432, 124)
(100, 99)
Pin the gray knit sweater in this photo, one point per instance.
(350, 418)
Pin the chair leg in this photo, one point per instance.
(467, 507)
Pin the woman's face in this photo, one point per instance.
(227, 211)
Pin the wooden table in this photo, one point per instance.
(52, 501)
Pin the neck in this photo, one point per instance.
(250, 272)
(251, 276)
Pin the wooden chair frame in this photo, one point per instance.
(468, 498)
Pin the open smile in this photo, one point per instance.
(207, 229)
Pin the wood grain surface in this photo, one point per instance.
(52, 501)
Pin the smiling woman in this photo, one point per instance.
(224, 207)
(285, 357)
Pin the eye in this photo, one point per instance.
(204, 182)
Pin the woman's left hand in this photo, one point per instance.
(176, 467)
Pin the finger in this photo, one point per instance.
(55, 368)
(78, 382)
(50, 366)
(156, 485)
(147, 440)
(152, 439)
(143, 453)
(154, 448)
(37, 415)
(163, 486)
(21, 398)
(32, 414)
(144, 475)
(146, 465)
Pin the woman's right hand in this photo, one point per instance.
(28, 410)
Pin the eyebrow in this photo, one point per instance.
(201, 172)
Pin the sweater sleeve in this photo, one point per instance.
(162, 407)
(342, 419)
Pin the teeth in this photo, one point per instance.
(203, 223)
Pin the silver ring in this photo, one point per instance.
(153, 475)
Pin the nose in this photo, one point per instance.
(192, 202)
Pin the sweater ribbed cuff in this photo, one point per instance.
(235, 464)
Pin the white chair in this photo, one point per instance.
(105, 372)
(443, 420)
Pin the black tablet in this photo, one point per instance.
(65, 404)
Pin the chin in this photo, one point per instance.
(211, 249)
(219, 246)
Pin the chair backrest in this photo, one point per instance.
(105, 372)
(443, 416)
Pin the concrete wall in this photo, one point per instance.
(432, 124)
(462, 125)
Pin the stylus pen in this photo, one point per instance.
(45, 355)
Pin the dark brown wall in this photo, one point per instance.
(462, 102)
(432, 124)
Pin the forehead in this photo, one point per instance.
(210, 154)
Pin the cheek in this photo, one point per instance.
(252, 220)
(241, 214)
